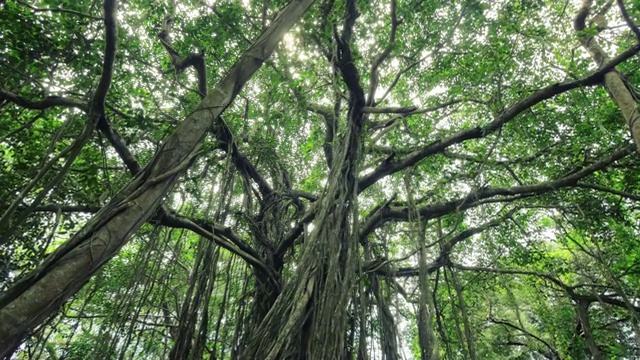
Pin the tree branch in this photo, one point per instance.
(59, 10)
(628, 20)
(329, 130)
(222, 236)
(475, 198)
(445, 251)
(373, 82)
(597, 187)
(111, 34)
(481, 131)
(241, 162)
(527, 333)
(181, 63)
(345, 64)
(389, 110)
(46, 103)
(521, 160)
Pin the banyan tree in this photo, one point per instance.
(338, 179)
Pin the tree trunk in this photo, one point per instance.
(613, 80)
(41, 293)
(583, 313)
(310, 316)
(463, 311)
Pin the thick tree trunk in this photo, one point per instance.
(310, 317)
(41, 293)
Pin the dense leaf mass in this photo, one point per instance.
(394, 179)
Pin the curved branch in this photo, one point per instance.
(443, 257)
(475, 198)
(46, 103)
(111, 34)
(527, 333)
(509, 114)
(96, 113)
(103, 125)
(181, 63)
(597, 187)
(628, 20)
(230, 241)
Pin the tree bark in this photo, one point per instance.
(41, 293)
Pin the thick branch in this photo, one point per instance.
(345, 63)
(222, 131)
(389, 110)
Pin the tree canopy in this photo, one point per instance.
(338, 179)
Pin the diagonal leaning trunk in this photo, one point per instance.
(41, 293)
(613, 80)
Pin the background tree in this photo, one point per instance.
(399, 179)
